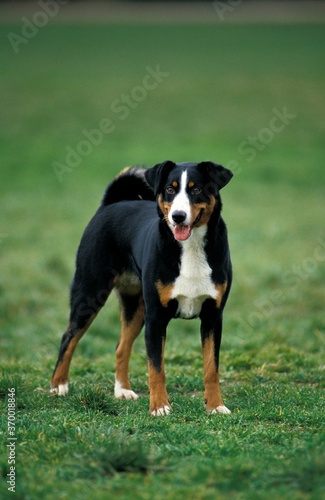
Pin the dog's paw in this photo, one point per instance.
(163, 410)
(121, 393)
(220, 409)
(61, 389)
(126, 394)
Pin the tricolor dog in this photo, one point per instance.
(158, 238)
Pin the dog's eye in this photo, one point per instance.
(170, 190)
(196, 190)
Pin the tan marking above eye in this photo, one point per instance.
(191, 184)
(175, 184)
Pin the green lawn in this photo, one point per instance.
(247, 96)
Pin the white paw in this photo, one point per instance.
(126, 394)
(121, 393)
(163, 410)
(220, 409)
(61, 390)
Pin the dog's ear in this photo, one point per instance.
(218, 174)
(156, 175)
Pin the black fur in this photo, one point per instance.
(129, 245)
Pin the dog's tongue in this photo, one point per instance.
(181, 233)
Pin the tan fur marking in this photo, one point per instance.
(212, 393)
(164, 206)
(207, 211)
(165, 292)
(157, 386)
(125, 169)
(191, 184)
(221, 291)
(129, 333)
(175, 184)
(61, 374)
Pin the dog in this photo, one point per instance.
(159, 240)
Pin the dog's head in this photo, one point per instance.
(187, 193)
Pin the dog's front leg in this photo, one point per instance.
(211, 330)
(155, 336)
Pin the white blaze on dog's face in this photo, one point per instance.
(181, 201)
(179, 215)
(184, 203)
(188, 193)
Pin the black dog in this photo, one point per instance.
(159, 240)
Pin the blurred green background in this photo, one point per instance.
(219, 95)
(247, 95)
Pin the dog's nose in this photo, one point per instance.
(178, 216)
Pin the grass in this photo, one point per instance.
(223, 85)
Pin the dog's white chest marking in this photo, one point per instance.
(193, 285)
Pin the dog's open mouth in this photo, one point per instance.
(182, 233)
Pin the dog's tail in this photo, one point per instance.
(130, 184)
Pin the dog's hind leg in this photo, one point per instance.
(70, 339)
(85, 306)
(132, 319)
